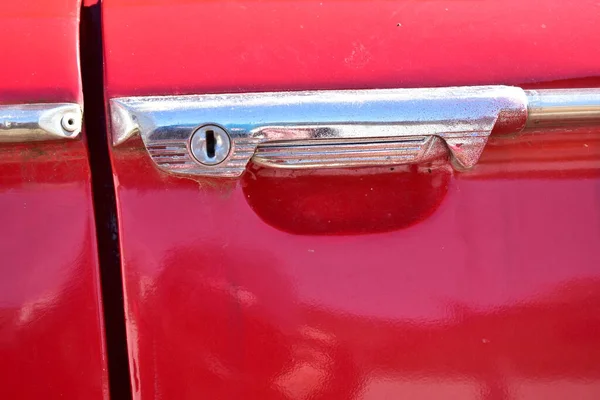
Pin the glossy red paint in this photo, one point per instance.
(51, 332)
(301, 202)
(40, 51)
(193, 46)
(364, 283)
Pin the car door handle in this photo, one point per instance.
(217, 135)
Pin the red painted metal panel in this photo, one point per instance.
(363, 283)
(40, 51)
(192, 46)
(51, 332)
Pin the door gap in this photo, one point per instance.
(105, 207)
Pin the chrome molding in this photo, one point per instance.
(340, 128)
(39, 122)
(563, 107)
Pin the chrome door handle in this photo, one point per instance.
(217, 135)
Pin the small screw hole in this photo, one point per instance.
(210, 143)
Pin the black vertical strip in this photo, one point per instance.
(107, 230)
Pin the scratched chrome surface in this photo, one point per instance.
(322, 128)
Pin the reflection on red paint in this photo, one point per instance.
(51, 342)
(493, 294)
(346, 201)
(228, 328)
(551, 154)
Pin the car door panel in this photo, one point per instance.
(360, 282)
(51, 330)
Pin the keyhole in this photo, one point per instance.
(211, 143)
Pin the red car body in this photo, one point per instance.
(51, 327)
(348, 283)
(360, 283)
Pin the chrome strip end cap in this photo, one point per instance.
(63, 121)
(22, 123)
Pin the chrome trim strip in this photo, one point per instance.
(39, 122)
(318, 129)
(563, 107)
